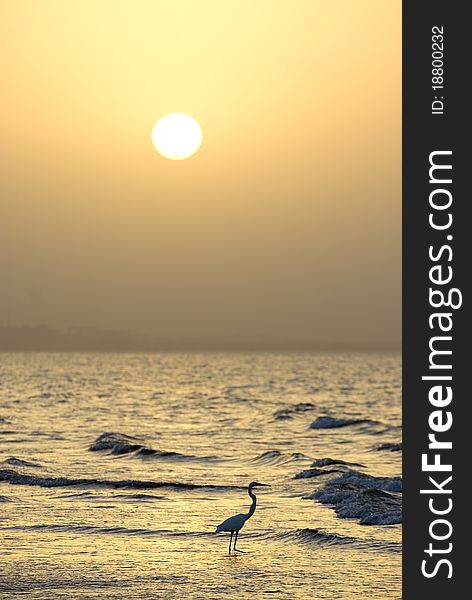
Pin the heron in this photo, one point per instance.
(235, 523)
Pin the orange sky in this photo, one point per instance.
(285, 225)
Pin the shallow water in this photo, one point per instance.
(133, 514)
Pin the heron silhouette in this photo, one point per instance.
(235, 523)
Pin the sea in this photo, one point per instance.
(115, 470)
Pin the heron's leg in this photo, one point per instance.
(230, 540)
(234, 547)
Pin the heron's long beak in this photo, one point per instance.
(262, 485)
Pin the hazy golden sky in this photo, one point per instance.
(285, 225)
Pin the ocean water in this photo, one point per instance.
(115, 470)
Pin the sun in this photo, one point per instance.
(177, 136)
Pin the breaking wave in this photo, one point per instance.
(372, 500)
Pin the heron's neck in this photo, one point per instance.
(253, 505)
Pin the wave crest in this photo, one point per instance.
(18, 462)
(15, 478)
(314, 472)
(277, 457)
(122, 444)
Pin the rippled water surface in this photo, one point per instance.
(116, 469)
